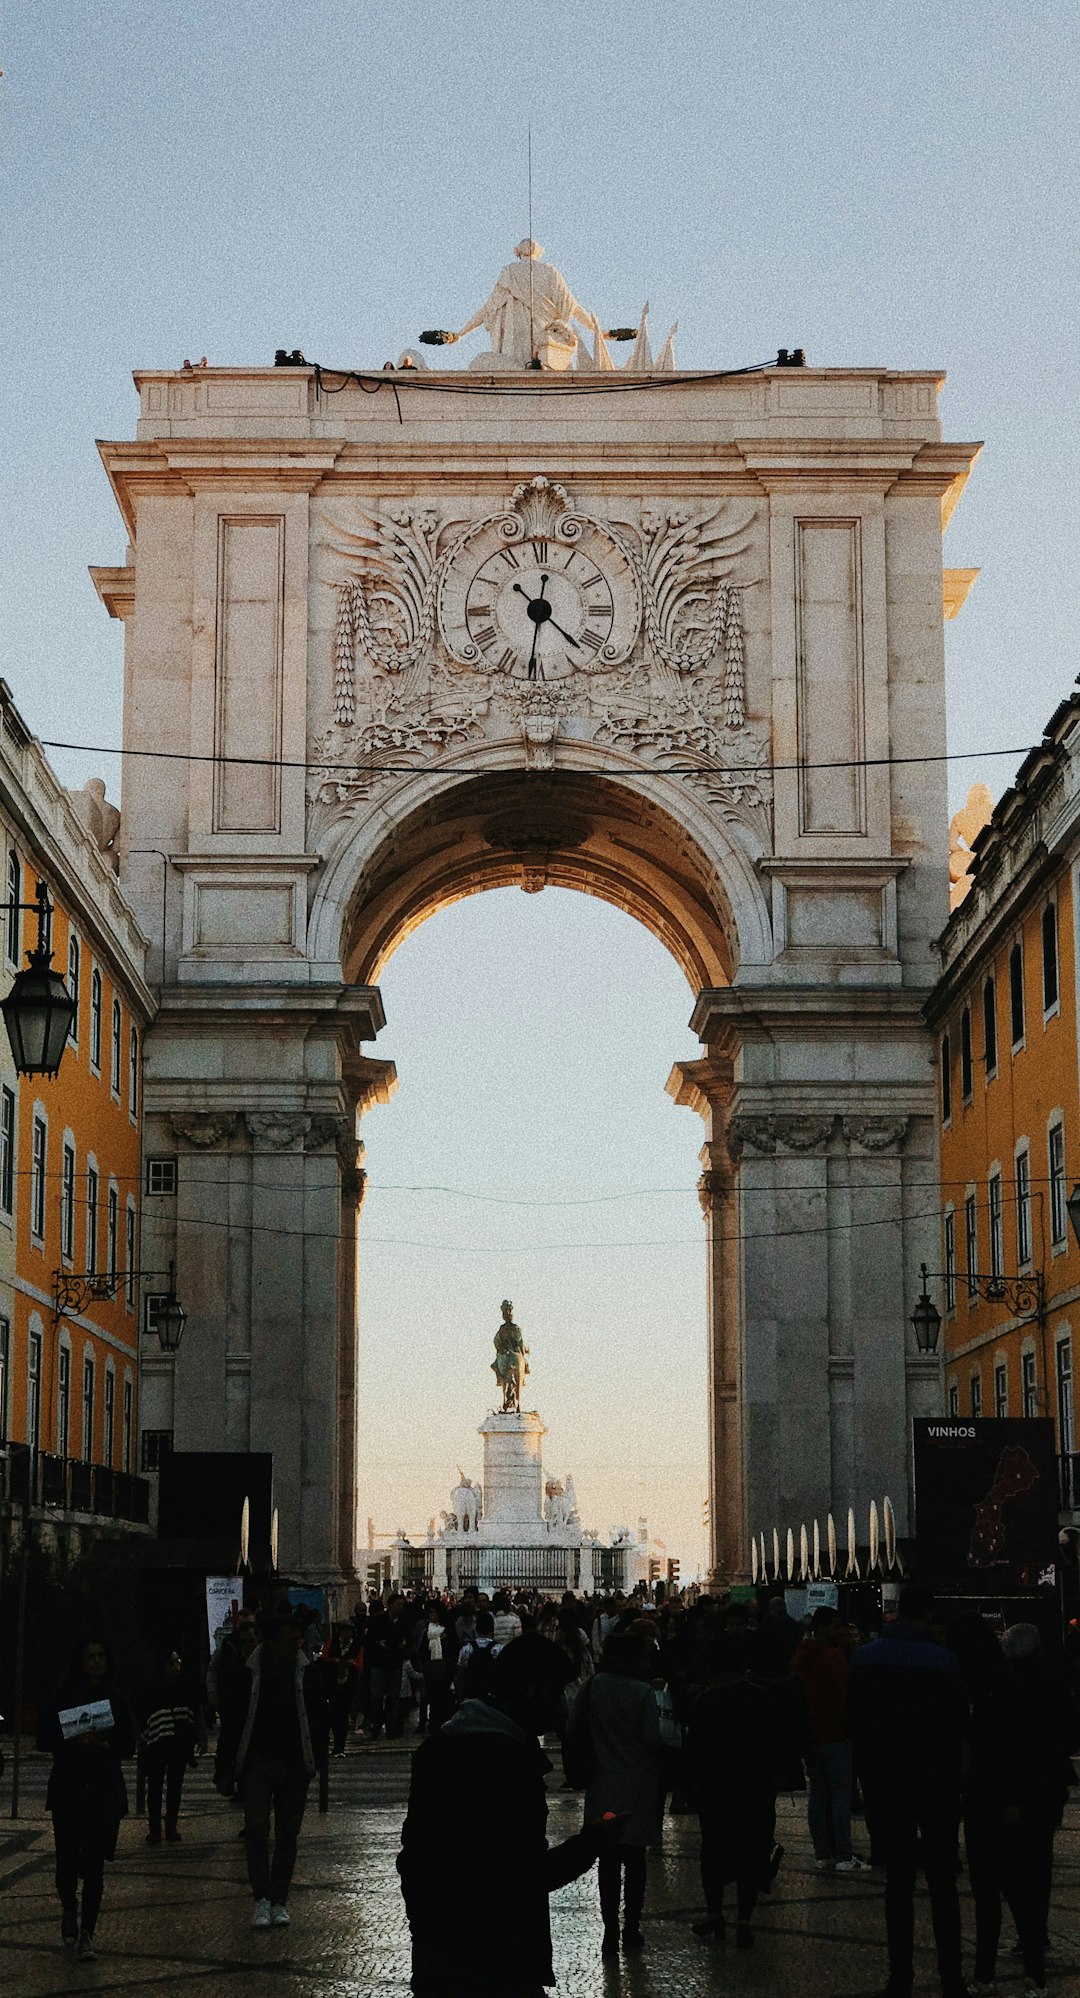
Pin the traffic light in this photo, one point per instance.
(672, 1575)
(654, 1569)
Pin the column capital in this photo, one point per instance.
(748, 1132)
(875, 1134)
(204, 1128)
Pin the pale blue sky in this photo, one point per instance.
(884, 185)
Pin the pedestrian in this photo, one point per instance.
(88, 1728)
(476, 1869)
(734, 1756)
(1042, 1739)
(339, 1675)
(282, 1744)
(820, 1666)
(433, 1657)
(228, 1687)
(907, 1714)
(507, 1620)
(172, 1729)
(388, 1643)
(613, 1741)
(474, 1673)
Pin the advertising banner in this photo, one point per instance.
(222, 1591)
(986, 1502)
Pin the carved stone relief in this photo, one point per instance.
(204, 1128)
(766, 1135)
(875, 1134)
(540, 623)
(276, 1131)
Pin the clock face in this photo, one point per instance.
(540, 609)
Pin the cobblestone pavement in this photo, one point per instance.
(176, 1917)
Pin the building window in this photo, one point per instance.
(7, 1150)
(997, 1229)
(950, 1261)
(976, 1394)
(63, 1401)
(129, 1253)
(1023, 1207)
(1066, 1409)
(966, 1070)
(1050, 957)
(91, 1218)
(112, 1230)
(946, 1079)
(125, 1441)
(73, 987)
(1029, 1384)
(154, 1304)
(108, 1445)
(39, 1162)
(971, 1245)
(1001, 1388)
(155, 1444)
(88, 1409)
(5, 1376)
(95, 1019)
(33, 1390)
(13, 917)
(1058, 1215)
(117, 1047)
(133, 1073)
(990, 1026)
(67, 1203)
(161, 1175)
(954, 1398)
(1016, 994)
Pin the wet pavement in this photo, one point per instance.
(177, 1918)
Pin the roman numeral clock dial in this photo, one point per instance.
(540, 608)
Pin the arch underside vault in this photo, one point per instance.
(536, 830)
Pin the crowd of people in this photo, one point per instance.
(712, 1708)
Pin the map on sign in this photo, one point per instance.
(1015, 1473)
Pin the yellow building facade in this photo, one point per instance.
(70, 1146)
(1005, 1015)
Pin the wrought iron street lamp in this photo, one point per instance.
(39, 1009)
(73, 1290)
(926, 1318)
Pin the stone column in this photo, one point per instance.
(705, 1086)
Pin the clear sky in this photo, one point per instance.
(891, 186)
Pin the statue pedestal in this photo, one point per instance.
(513, 1478)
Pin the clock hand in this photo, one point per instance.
(532, 655)
(565, 634)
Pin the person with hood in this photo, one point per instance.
(283, 1742)
(735, 1754)
(88, 1728)
(481, 1777)
(172, 1729)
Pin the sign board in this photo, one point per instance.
(93, 1718)
(222, 1591)
(821, 1595)
(986, 1502)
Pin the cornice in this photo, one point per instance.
(765, 1012)
(116, 588)
(357, 1008)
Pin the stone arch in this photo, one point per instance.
(643, 844)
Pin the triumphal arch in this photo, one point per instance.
(673, 639)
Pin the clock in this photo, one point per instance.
(539, 606)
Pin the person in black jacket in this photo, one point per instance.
(1041, 1739)
(907, 1714)
(735, 1754)
(483, 1776)
(87, 1795)
(283, 1743)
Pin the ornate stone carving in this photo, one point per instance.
(642, 642)
(276, 1130)
(747, 1132)
(875, 1134)
(330, 1131)
(204, 1128)
(712, 1186)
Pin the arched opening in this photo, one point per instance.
(531, 1153)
